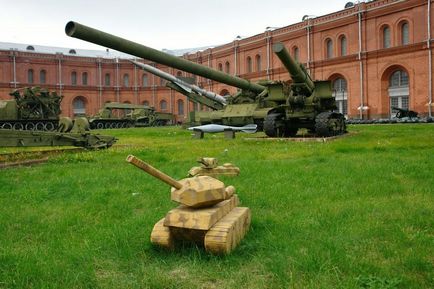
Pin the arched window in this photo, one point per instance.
(72, 51)
(404, 34)
(42, 76)
(179, 74)
(30, 48)
(258, 62)
(73, 78)
(180, 107)
(343, 45)
(145, 103)
(163, 105)
(107, 79)
(84, 78)
(341, 95)
(249, 64)
(30, 76)
(329, 48)
(386, 37)
(79, 105)
(227, 67)
(296, 53)
(145, 80)
(398, 91)
(220, 67)
(126, 80)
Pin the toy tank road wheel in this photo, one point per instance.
(274, 126)
(329, 124)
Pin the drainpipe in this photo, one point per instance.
(428, 43)
(268, 39)
(14, 76)
(360, 62)
(117, 80)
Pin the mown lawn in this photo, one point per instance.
(355, 212)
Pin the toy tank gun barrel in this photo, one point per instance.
(297, 72)
(153, 172)
(95, 36)
(190, 87)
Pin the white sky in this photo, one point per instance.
(159, 24)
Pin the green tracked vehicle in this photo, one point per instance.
(280, 108)
(33, 108)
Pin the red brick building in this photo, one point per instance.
(376, 53)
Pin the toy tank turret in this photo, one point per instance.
(210, 167)
(208, 214)
(279, 108)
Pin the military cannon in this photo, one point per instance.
(32, 108)
(191, 91)
(279, 108)
(401, 112)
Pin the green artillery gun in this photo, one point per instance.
(33, 108)
(279, 107)
(122, 115)
(401, 112)
(69, 133)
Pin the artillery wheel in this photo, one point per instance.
(329, 124)
(274, 125)
(227, 233)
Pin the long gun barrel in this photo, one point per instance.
(189, 87)
(98, 37)
(297, 72)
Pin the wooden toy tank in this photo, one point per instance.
(208, 214)
(210, 167)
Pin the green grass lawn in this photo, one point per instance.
(355, 212)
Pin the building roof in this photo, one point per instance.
(108, 53)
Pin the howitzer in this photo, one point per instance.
(193, 92)
(279, 107)
(402, 112)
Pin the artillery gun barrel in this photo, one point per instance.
(153, 172)
(171, 78)
(297, 74)
(98, 37)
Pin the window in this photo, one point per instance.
(404, 34)
(329, 48)
(79, 106)
(296, 53)
(227, 67)
(145, 80)
(163, 105)
(126, 80)
(72, 51)
(145, 103)
(220, 67)
(84, 78)
(341, 95)
(30, 76)
(180, 107)
(42, 76)
(30, 48)
(73, 78)
(398, 91)
(386, 37)
(258, 62)
(107, 79)
(343, 45)
(179, 74)
(249, 64)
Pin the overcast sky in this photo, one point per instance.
(160, 24)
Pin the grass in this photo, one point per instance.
(355, 212)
